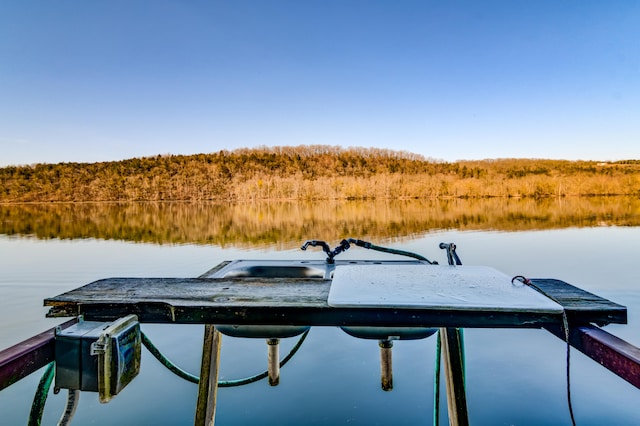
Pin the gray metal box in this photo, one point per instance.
(98, 356)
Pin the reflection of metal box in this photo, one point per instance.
(98, 356)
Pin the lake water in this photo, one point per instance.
(514, 377)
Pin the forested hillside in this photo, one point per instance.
(312, 172)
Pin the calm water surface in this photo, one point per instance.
(513, 376)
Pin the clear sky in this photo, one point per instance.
(107, 80)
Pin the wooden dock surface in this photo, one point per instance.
(300, 301)
(304, 302)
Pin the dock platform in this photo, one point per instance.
(304, 301)
(358, 294)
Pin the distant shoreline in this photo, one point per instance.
(307, 173)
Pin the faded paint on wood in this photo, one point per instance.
(297, 301)
(581, 306)
(434, 287)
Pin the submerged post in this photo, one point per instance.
(208, 385)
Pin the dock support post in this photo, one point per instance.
(452, 348)
(208, 385)
(273, 360)
(386, 364)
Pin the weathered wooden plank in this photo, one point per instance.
(453, 349)
(305, 316)
(297, 301)
(581, 306)
(22, 359)
(208, 385)
(200, 292)
(308, 316)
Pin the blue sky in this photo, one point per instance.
(107, 80)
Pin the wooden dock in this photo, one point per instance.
(301, 301)
(305, 302)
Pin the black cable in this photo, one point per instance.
(223, 383)
(368, 245)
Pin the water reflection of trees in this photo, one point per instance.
(289, 223)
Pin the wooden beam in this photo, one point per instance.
(22, 359)
(312, 315)
(208, 385)
(581, 306)
(452, 349)
(613, 353)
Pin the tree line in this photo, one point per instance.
(315, 172)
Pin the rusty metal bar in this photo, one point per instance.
(22, 359)
(618, 356)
